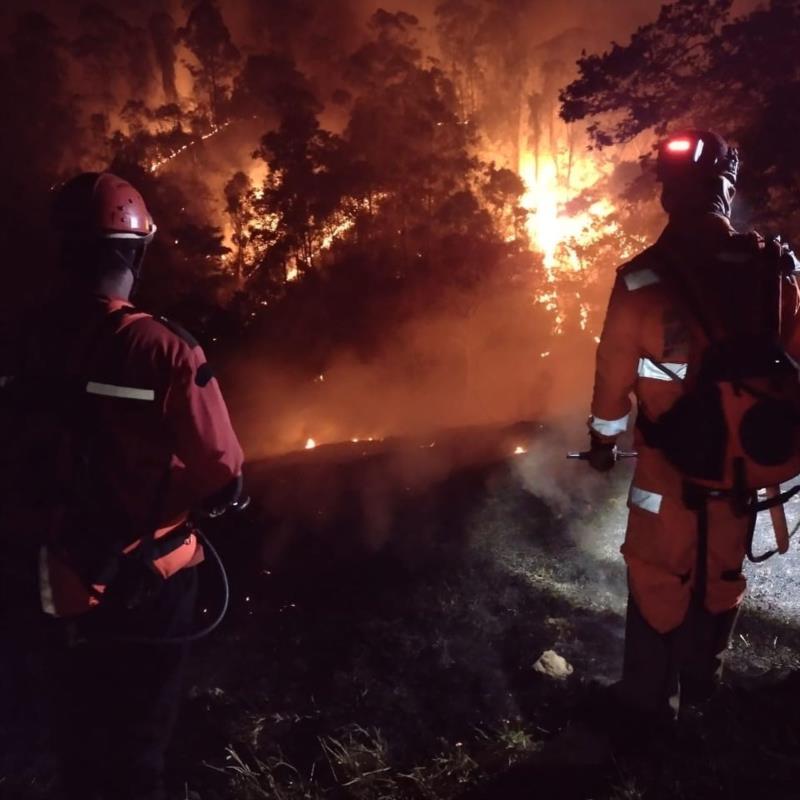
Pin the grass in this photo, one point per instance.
(407, 673)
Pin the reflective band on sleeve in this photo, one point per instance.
(641, 278)
(649, 369)
(126, 392)
(610, 427)
(648, 501)
(45, 588)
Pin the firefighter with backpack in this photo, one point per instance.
(700, 328)
(114, 428)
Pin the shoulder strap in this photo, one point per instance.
(672, 278)
(178, 330)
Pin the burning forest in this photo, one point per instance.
(389, 191)
(394, 230)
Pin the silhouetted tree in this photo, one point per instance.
(696, 65)
(116, 54)
(238, 192)
(162, 31)
(207, 36)
(39, 139)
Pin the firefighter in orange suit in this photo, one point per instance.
(120, 430)
(684, 592)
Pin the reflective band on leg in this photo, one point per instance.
(609, 427)
(647, 501)
(45, 588)
(649, 369)
(125, 392)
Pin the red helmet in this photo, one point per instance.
(101, 205)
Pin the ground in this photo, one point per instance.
(389, 603)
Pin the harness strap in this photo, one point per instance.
(701, 576)
(772, 502)
(776, 500)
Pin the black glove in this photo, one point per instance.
(227, 497)
(135, 583)
(602, 455)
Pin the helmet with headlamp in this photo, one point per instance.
(698, 170)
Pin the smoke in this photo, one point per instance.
(443, 370)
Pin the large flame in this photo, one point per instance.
(541, 200)
(550, 185)
(552, 181)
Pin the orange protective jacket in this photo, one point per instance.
(161, 437)
(645, 324)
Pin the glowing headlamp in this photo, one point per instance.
(684, 145)
(679, 146)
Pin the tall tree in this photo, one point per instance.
(116, 54)
(238, 205)
(39, 136)
(162, 31)
(207, 36)
(458, 24)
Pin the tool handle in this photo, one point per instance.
(618, 454)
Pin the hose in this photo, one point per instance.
(207, 629)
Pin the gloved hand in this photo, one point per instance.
(135, 583)
(602, 455)
(227, 497)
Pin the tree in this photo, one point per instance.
(39, 136)
(116, 54)
(503, 190)
(270, 86)
(458, 24)
(162, 31)
(238, 205)
(406, 130)
(697, 66)
(302, 192)
(210, 41)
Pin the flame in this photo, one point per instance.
(520, 451)
(336, 232)
(549, 187)
(552, 181)
(156, 165)
(541, 202)
(310, 444)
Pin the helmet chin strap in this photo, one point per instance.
(136, 266)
